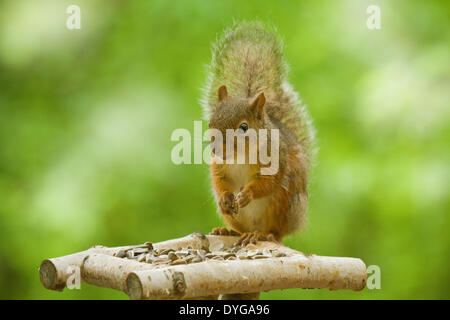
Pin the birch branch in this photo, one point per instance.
(109, 272)
(55, 272)
(202, 267)
(247, 276)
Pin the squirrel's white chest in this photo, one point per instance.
(253, 217)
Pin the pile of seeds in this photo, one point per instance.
(146, 253)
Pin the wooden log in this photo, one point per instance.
(247, 276)
(55, 272)
(108, 271)
(111, 272)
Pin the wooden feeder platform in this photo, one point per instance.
(202, 266)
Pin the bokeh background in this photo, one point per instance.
(86, 117)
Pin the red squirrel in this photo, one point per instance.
(247, 89)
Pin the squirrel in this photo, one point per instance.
(247, 88)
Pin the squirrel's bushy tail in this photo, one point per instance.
(248, 59)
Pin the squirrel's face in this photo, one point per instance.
(241, 115)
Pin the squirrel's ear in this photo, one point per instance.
(222, 93)
(258, 103)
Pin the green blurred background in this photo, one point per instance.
(86, 117)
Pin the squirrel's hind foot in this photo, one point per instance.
(254, 237)
(224, 232)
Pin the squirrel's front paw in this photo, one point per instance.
(227, 204)
(244, 197)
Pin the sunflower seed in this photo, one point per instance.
(141, 257)
(260, 256)
(252, 253)
(189, 258)
(121, 254)
(159, 260)
(138, 251)
(235, 249)
(179, 261)
(251, 246)
(181, 253)
(172, 256)
(201, 254)
(279, 254)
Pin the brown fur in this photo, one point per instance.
(249, 81)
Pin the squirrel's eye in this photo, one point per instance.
(244, 127)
